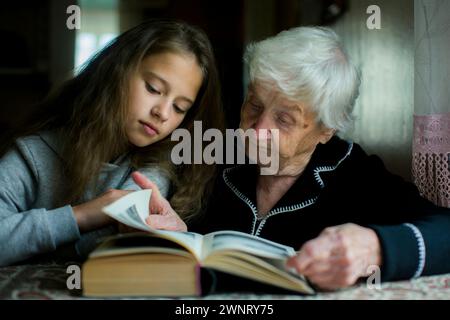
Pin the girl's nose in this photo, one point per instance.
(161, 110)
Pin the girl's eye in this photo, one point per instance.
(178, 109)
(151, 89)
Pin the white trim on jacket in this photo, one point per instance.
(421, 248)
(291, 208)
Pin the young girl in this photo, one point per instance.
(77, 153)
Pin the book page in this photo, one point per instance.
(235, 240)
(137, 243)
(270, 271)
(133, 209)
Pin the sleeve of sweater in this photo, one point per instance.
(415, 248)
(90, 240)
(414, 236)
(26, 231)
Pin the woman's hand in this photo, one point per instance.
(162, 216)
(338, 257)
(89, 215)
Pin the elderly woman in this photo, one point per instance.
(338, 205)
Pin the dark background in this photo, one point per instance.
(38, 52)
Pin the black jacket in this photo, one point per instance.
(341, 184)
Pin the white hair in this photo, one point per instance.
(309, 64)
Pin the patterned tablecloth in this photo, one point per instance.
(48, 281)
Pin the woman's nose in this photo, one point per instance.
(262, 125)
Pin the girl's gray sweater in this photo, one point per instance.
(32, 184)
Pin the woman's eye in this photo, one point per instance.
(283, 120)
(255, 107)
(151, 89)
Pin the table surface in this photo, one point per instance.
(48, 281)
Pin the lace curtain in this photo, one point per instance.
(431, 145)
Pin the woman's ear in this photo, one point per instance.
(326, 135)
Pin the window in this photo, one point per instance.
(99, 26)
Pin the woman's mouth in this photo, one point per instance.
(149, 129)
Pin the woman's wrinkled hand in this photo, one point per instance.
(161, 216)
(338, 257)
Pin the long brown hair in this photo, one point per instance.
(91, 108)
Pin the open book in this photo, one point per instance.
(168, 263)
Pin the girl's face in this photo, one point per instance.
(161, 92)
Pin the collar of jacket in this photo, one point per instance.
(242, 179)
(53, 139)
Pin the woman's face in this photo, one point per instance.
(299, 132)
(161, 92)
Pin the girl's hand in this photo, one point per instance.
(162, 216)
(89, 215)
